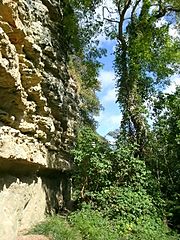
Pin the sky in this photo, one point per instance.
(109, 119)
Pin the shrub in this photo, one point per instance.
(148, 228)
(93, 226)
(125, 203)
(58, 229)
(90, 224)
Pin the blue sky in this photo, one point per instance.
(109, 118)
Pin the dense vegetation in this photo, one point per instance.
(131, 189)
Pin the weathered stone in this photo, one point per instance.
(33, 75)
(38, 114)
(22, 204)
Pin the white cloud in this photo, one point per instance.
(175, 81)
(106, 3)
(108, 122)
(100, 117)
(106, 78)
(173, 32)
(102, 39)
(110, 96)
(161, 22)
(109, 4)
(115, 120)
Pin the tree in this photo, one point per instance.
(145, 58)
(92, 166)
(164, 161)
(78, 31)
(116, 180)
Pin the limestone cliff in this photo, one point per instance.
(38, 112)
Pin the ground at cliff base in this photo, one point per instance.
(33, 237)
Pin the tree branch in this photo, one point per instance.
(134, 9)
(121, 21)
(164, 10)
(110, 20)
(104, 7)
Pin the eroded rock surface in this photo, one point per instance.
(38, 99)
(38, 112)
(22, 202)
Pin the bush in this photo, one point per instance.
(58, 229)
(90, 224)
(91, 163)
(148, 228)
(93, 226)
(125, 203)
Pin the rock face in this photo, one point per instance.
(38, 113)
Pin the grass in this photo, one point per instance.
(88, 224)
(57, 228)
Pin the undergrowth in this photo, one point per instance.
(57, 228)
(92, 225)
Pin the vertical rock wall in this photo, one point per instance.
(38, 112)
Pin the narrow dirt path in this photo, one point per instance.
(33, 237)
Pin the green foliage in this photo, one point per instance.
(93, 225)
(57, 228)
(128, 170)
(114, 181)
(91, 163)
(165, 157)
(85, 73)
(77, 26)
(77, 31)
(68, 28)
(120, 189)
(145, 57)
(85, 4)
(148, 228)
(129, 184)
(125, 203)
